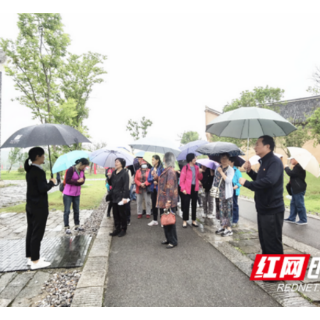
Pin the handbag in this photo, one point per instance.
(215, 191)
(109, 196)
(288, 187)
(168, 218)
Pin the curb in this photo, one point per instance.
(90, 288)
(309, 215)
(243, 263)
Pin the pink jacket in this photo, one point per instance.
(186, 178)
(72, 187)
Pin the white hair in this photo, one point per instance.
(169, 159)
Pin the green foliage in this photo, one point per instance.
(189, 136)
(314, 126)
(137, 130)
(21, 170)
(315, 90)
(295, 139)
(259, 97)
(15, 156)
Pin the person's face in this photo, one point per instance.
(293, 162)
(261, 149)
(155, 162)
(118, 165)
(83, 167)
(40, 159)
(194, 161)
(224, 161)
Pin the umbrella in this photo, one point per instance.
(45, 135)
(67, 160)
(250, 122)
(208, 163)
(106, 158)
(140, 154)
(306, 160)
(190, 147)
(148, 157)
(156, 144)
(239, 161)
(217, 148)
(255, 159)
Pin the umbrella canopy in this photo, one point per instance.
(239, 161)
(67, 160)
(44, 135)
(217, 148)
(255, 159)
(306, 160)
(106, 158)
(250, 122)
(209, 163)
(156, 144)
(139, 154)
(190, 147)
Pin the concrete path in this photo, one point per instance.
(307, 234)
(142, 272)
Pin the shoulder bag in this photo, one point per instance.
(168, 218)
(215, 191)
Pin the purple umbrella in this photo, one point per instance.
(190, 147)
(209, 163)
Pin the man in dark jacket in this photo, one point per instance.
(268, 187)
(298, 189)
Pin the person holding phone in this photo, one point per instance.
(37, 207)
(75, 178)
(119, 180)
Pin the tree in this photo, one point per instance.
(314, 126)
(295, 139)
(15, 156)
(137, 130)
(189, 136)
(267, 97)
(315, 90)
(34, 60)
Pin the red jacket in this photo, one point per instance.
(186, 178)
(137, 180)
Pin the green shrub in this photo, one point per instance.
(21, 170)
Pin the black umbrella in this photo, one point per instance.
(239, 162)
(217, 148)
(45, 135)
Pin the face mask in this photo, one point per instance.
(144, 166)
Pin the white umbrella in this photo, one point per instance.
(157, 145)
(105, 157)
(306, 160)
(255, 159)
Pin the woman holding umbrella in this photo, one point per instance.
(37, 207)
(75, 178)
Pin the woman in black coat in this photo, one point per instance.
(37, 207)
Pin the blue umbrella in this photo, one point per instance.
(190, 147)
(67, 160)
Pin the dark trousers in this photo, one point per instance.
(270, 232)
(170, 232)
(186, 206)
(154, 196)
(120, 217)
(128, 211)
(110, 205)
(235, 215)
(67, 200)
(217, 208)
(36, 218)
(297, 207)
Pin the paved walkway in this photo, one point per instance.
(142, 272)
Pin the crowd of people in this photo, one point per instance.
(158, 188)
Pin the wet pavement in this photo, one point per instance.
(142, 272)
(307, 234)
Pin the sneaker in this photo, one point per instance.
(139, 216)
(227, 233)
(179, 204)
(29, 262)
(68, 231)
(40, 265)
(287, 220)
(235, 225)
(221, 230)
(153, 223)
(128, 223)
(300, 223)
(78, 228)
(148, 216)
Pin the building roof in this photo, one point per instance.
(212, 111)
(298, 110)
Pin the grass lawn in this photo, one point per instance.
(15, 175)
(312, 197)
(91, 195)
